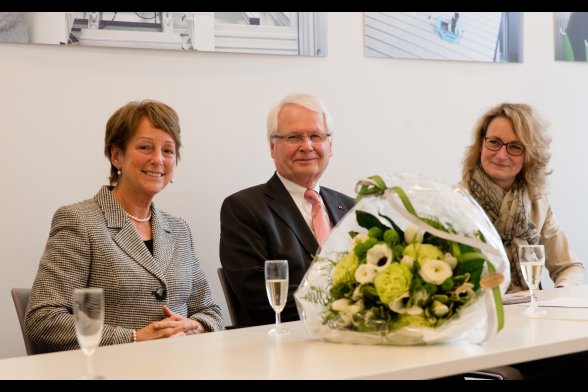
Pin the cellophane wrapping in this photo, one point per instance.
(416, 261)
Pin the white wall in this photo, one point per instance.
(391, 115)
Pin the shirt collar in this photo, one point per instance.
(295, 189)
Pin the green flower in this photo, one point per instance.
(391, 237)
(393, 282)
(409, 320)
(422, 252)
(396, 277)
(345, 268)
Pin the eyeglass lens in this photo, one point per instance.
(495, 144)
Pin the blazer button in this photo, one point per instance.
(160, 294)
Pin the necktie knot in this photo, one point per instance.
(312, 197)
(320, 222)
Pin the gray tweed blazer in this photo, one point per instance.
(93, 244)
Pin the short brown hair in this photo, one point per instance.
(123, 124)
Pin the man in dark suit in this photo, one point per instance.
(273, 220)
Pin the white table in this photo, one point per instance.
(249, 353)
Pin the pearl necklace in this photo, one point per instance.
(142, 220)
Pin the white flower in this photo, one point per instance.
(357, 295)
(341, 304)
(449, 259)
(420, 296)
(414, 310)
(413, 235)
(398, 306)
(366, 273)
(466, 288)
(347, 309)
(435, 271)
(380, 256)
(439, 309)
(407, 261)
(359, 238)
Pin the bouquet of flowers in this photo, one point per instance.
(417, 262)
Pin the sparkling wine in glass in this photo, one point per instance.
(88, 306)
(532, 260)
(276, 286)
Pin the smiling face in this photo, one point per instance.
(148, 163)
(499, 165)
(304, 163)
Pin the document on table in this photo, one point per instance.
(565, 302)
(516, 298)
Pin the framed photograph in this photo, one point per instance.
(458, 36)
(287, 33)
(571, 36)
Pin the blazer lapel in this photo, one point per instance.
(335, 207)
(283, 205)
(127, 237)
(163, 240)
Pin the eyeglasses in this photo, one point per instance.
(296, 139)
(495, 144)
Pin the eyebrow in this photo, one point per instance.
(150, 139)
(513, 141)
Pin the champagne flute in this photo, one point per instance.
(88, 307)
(276, 285)
(532, 260)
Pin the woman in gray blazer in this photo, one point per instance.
(143, 257)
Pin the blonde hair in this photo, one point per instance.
(530, 129)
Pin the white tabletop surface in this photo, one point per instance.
(250, 353)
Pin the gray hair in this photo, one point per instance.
(308, 101)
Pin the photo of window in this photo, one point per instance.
(287, 33)
(460, 36)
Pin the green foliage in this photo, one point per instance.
(370, 295)
(367, 220)
(341, 290)
(448, 285)
(473, 264)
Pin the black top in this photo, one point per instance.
(149, 245)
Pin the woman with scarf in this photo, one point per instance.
(505, 169)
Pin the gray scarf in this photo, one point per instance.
(507, 211)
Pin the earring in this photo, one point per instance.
(118, 172)
(171, 180)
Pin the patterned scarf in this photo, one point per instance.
(507, 211)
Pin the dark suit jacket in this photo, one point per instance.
(93, 244)
(263, 223)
